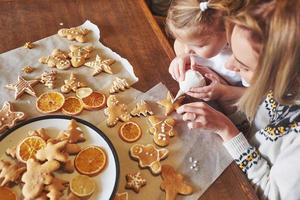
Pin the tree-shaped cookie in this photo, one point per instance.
(22, 86)
(10, 172)
(169, 104)
(41, 133)
(71, 84)
(115, 111)
(135, 181)
(76, 33)
(74, 134)
(173, 183)
(118, 85)
(53, 152)
(58, 59)
(162, 130)
(48, 78)
(55, 188)
(79, 54)
(8, 117)
(141, 108)
(37, 176)
(148, 156)
(100, 65)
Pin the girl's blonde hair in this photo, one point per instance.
(184, 14)
(275, 25)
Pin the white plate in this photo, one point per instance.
(106, 181)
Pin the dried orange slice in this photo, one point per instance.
(90, 161)
(130, 132)
(82, 186)
(7, 194)
(72, 106)
(50, 102)
(28, 147)
(95, 100)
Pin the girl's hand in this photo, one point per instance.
(201, 115)
(179, 66)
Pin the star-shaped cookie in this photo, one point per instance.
(135, 181)
(162, 130)
(8, 117)
(168, 103)
(23, 86)
(100, 64)
(53, 152)
(121, 196)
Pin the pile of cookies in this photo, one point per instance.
(38, 160)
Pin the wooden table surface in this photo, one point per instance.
(128, 28)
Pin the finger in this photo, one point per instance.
(198, 95)
(203, 89)
(196, 107)
(211, 77)
(189, 117)
(193, 125)
(176, 73)
(181, 69)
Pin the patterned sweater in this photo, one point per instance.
(271, 158)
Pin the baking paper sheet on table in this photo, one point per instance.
(205, 147)
(12, 62)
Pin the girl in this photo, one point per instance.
(266, 47)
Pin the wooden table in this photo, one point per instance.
(128, 28)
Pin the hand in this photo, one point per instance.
(201, 115)
(179, 66)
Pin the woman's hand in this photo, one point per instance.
(201, 115)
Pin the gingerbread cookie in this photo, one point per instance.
(28, 45)
(23, 86)
(169, 104)
(58, 59)
(10, 172)
(71, 84)
(115, 111)
(12, 152)
(148, 156)
(141, 108)
(37, 176)
(53, 152)
(173, 183)
(48, 79)
(100, 65)
(72, 196)
(39, 132)
(135, 181)
(162, 130)
(28, 69)
(79, 54)
(8, 117)
(76, 33)
(68, 166)
(55, 188)
(118, 85)
(74, 134)
(121, 196)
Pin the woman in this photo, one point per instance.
(266, 53)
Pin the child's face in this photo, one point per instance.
(206, 46)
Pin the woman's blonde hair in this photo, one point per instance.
(275, 25)
(184, 14)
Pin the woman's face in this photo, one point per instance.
(244, 57)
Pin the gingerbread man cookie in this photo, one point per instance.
(79, 54)
(173, 183)
(100, 65)
(76, 33)
(10, 172)
(169, 104)
(53, 152)
(71, 84)
(141, 108)
(135, 181)
(115, 111)
(58, 59)
(118, 85)
(55, 188)
(162, 130)
(149, 156)
(23, 86)
(8, 117)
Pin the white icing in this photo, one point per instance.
(192, 79)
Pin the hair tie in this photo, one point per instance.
(203, 6)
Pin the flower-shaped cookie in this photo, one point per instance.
(135, 181)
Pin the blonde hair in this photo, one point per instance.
(184, 14)
(276, 26)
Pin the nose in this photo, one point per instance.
(231, 64)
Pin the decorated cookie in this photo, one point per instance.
(135, 181)
(55, 188)
(79, 54)
(28, 45)
(50, 102)
(8, 117)
(71, 84)
(58, 59)
(115, 111)
(148, 156)
(48, 78)
(121, 196)
(118, 85)
(162, 130)
(74, 134)
(28, 69)
(10, 172)
(23, 86)
(100, 65)
(173, 183)
(141, 109)
(76, 33)
(169, 105)
(37, 176)
(53, 152)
